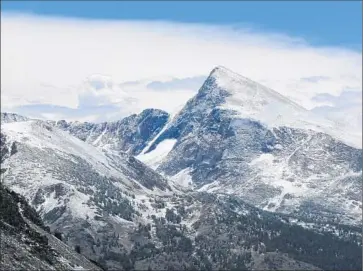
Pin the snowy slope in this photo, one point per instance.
(86, 193)
(38, 134)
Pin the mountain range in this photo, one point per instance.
(239, 178)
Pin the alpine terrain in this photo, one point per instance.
(240, 178)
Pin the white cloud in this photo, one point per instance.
(346, 109)
(47, 60)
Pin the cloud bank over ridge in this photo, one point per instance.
(73, 65)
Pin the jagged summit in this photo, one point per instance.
(246, 98)
(251, 100)
(221, 71)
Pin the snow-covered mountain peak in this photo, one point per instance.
(251, 100)
(239, 137)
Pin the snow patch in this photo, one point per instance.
(265, 159)
(154, 158)
(79, 207)
(120, 220)
(183, 178)
(49, 204)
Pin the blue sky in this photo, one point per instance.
(333, 23)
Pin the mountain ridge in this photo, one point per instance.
(158, 190)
